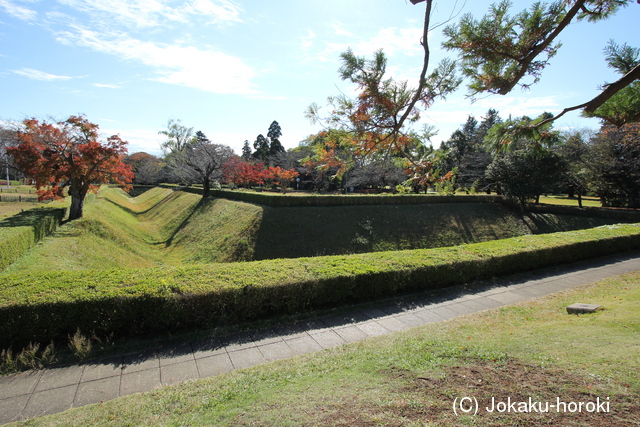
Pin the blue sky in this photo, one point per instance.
(231, 67)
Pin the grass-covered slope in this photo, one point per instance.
(20, 232)
(161, 226)
(166, 227)
(220, 230)
(110, 235)
(331, 230)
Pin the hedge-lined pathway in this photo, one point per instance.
(36, 393)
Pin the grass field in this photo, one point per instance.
(8, 209)
(587, 201)
(411, 378)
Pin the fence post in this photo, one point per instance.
(20, 198)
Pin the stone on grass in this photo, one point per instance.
(579, 308)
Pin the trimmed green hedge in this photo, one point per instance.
(20, 232)
(280, 200)
(44, 307)
(298, 199)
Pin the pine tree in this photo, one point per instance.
(261, 146)
(246, 150)
(275, 132)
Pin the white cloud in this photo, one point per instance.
(139, 139)
(30, 73)
(518, 106)
(182, 65)
(105, 85)
(219, 11)
(18, 11)
(307, 41)
(393, 41)
(154, 13)
(340, 31)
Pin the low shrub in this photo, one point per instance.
(130, 302)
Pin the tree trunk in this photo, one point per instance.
(77, 206)
(205, 188)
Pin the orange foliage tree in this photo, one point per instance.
(282, 177)
(69, 154)
(377, 121)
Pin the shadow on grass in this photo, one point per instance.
(201, 205)
(295, 232)
(540, 223)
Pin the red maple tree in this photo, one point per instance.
(68, 154)
(243, 173)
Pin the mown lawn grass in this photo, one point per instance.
(8, 209)
(412, 378)
(18, 189)
(563, 199)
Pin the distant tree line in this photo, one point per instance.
(474, 159)
(481, 156)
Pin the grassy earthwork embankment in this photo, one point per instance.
(166, 227)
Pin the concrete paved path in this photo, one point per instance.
(37, 393)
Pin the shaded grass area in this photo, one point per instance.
(411, 378)
(331, 230)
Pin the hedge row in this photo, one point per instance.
(44, 307)
(279, 200)
(298, 199)
(21, 231)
